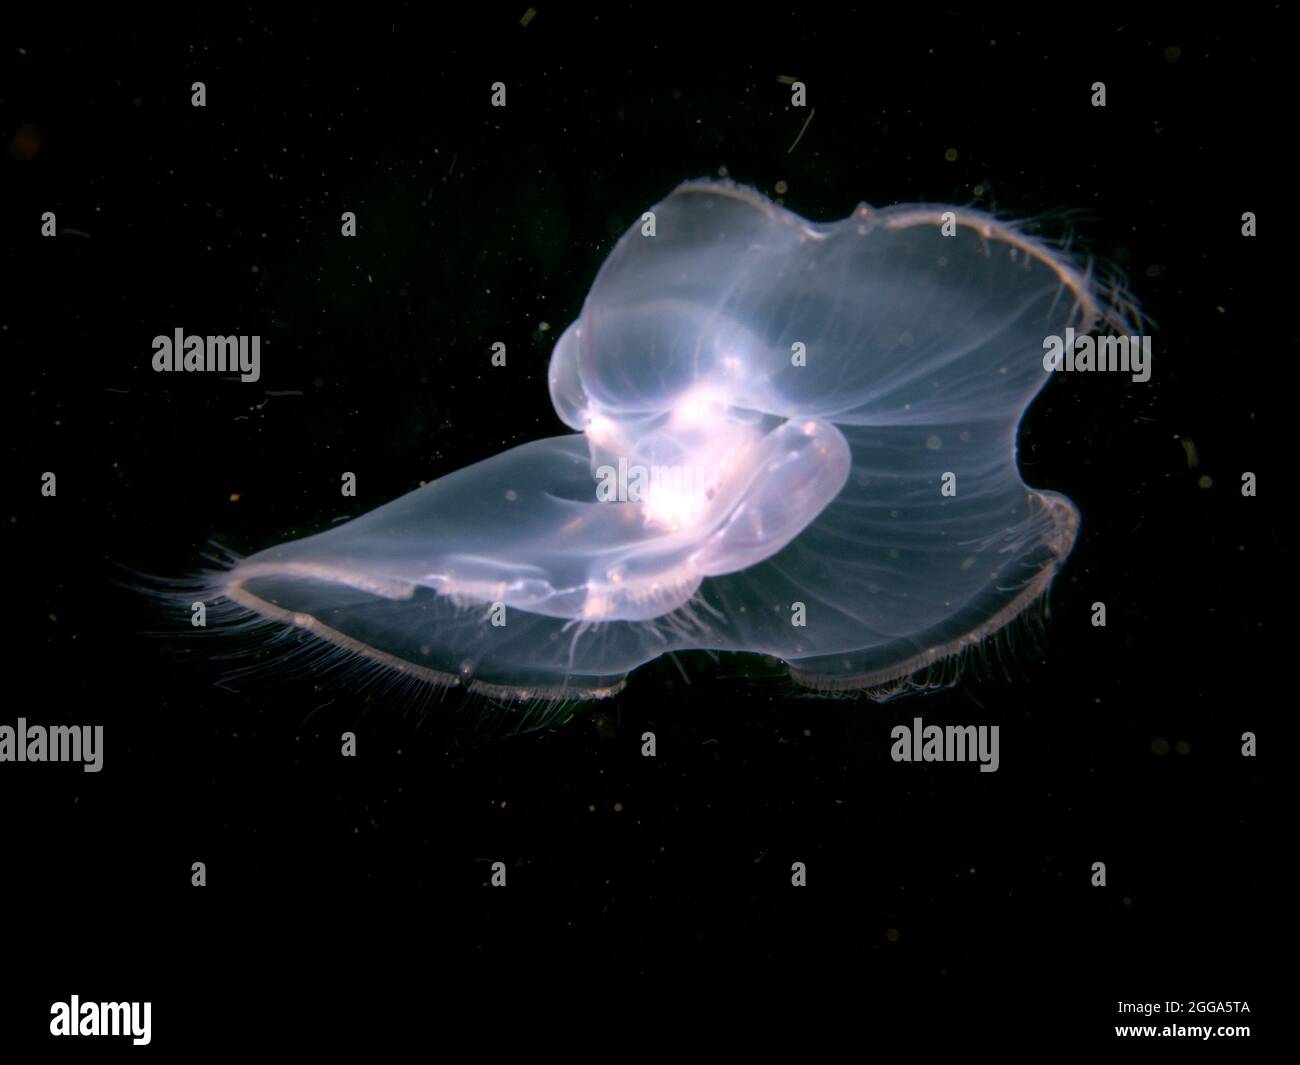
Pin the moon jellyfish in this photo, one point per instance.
(791, 439)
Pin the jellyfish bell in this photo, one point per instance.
(765, 412)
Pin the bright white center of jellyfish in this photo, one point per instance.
(698, 407)
(706, 489)
(600, 430)
(672, 506)
(711, 450)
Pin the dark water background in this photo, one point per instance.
(335, 884)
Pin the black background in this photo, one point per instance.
(347, 897)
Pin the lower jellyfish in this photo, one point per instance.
(790, 439)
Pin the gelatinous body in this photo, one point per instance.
(789, 438)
